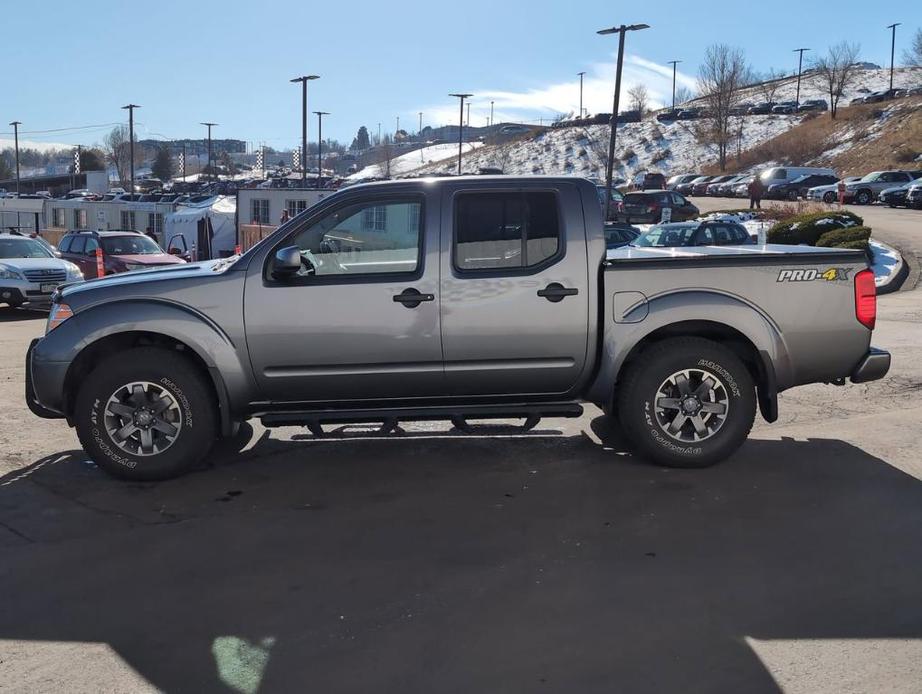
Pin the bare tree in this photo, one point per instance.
(768, 85)
(639, 99)
(836, 71)
(913, 55)
(385, 156)
(683, 94)
(118, 151)
(721, 76)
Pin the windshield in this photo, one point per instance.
(873, 176)
(667, 236)
(129, 245)
(23, 248)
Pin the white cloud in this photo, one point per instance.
(546, 102)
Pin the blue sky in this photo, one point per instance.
(75, 63)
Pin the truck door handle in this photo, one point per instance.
(411, 298)
(555, 292)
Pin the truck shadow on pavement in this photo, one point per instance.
(539, 562)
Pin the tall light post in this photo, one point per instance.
(304, 79)
(581, 92)
(892, 27)
(320, 115)
(16, 125)
(462, 97)
(673, 63)
(491, 111)
(419, 132)
(620, 30)
(800, 69)
(130, 108)
(210, 167)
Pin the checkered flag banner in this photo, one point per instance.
(182, 161)
(259, 159)
(296, 158)
(77, 161)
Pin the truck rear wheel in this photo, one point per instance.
(146, 414)
(686, 402)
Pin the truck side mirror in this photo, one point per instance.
(287, 262)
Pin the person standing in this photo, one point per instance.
(756, 189)
(285, 216)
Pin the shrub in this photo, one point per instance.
(628, 154)
(848, 235)
(808, 228)
(906, 155)
(661, 155)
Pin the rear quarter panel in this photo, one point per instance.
(804, 322)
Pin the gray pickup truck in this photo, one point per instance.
(455, 299)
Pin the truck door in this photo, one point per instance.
(514, 290)
(360, 321)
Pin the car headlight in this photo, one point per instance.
(74, 272)
(59, 313)
(9, 274)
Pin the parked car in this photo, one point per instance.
(785, 107)
(686, 188)
(865, 190)
(740, 189)
(718, 233)
(702, 187)
(618, 234)
(647, 207)
(740, 109)
(684, 345)
(630, 117)
(722, 188)
(691, 113)
(122, 251)
(648, 180)
(882, 95)
(857, 101)
(675, 181)
(896, 196)
(617, 201)
(828, 193)
(668, 115)
(786, 174)
(798, 187)
(762, 108)
(813, 105)
(29, 271)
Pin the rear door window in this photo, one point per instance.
(505, 231)
(77, 245)
(64, 246)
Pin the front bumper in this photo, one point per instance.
(45, 400)
(23, 292)
(872, 367)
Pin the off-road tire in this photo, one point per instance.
(637, 398)
(175, 375)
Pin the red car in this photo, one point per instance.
(122, 251)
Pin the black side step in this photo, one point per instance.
(390, 417)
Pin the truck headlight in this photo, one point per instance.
(9, 274)
(59, 313)
(73, 272)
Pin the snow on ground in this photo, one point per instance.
(29, 144)
(411, 161)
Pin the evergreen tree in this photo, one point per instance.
(163, 167)
(361, 140)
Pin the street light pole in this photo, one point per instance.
(320, 115)
(892, 50)
(468, 114)
(800, 66)
(131, 108)
(304, 79)
(580, 93)
(673, 63)
(210, 167)
(16, 125)
(418, 132)
(620, 30)
(491, 112)
(462, 97)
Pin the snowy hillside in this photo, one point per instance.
(29, 144)
(407, 163)
(650, 145)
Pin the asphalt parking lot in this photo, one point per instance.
(496, 562)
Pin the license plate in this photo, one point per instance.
(48, 287)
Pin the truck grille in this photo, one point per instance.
(45, 275)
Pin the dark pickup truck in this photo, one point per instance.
(452, 298)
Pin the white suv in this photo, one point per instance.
(29, 271)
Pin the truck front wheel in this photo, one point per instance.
(686, 402)
(146, 414)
